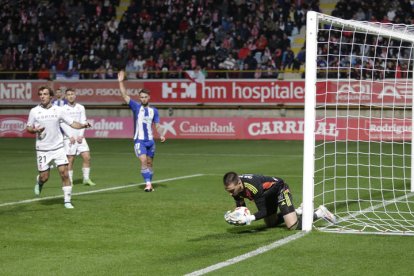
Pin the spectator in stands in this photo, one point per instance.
(229, 64)
(244, 52)
(72, 66)
(269, 70)
(210, 30)
(7, 62)
(61, 64)
(287, 58)
(43, 73)
(85, 67)
(112, 25)
(261, 43)
(131, 69)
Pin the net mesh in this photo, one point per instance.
(363, 126)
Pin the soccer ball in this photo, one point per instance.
(239, 216)
(242, 211)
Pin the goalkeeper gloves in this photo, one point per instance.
(227, 217)
(235, 218)
(249, 219)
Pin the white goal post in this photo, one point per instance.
(358, 152)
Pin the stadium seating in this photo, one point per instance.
(94, 39)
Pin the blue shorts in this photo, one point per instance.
(144, 147)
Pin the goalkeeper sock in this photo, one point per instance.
(146, 175)
(297, 225)
(317, 214)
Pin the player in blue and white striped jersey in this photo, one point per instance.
(59, 99)
(145, 116)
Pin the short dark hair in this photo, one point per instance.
(69, 89)
(230, 178)
(51, 93)
(143, 90)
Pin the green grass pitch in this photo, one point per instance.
(118, 229)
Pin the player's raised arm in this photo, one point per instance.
(121, 78)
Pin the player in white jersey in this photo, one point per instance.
(145, 116)
(74, 140)
(44, 121)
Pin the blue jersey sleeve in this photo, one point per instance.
(134, 105)
(156, 119)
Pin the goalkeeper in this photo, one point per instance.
(268, 193)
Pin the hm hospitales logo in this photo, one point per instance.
(179, 90)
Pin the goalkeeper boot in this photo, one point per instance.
(149, 188)
(324, 213)
(38, 187)
(69, 205)
(88, 182)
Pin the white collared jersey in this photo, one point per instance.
(144, 117)
(49, 118)
(78, 114)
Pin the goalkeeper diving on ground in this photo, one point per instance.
(269, 194)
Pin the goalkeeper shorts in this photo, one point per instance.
(279, 197)
(285, 202)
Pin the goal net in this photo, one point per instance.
(358, 122)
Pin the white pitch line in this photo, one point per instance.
(250, 254)
(98, 191)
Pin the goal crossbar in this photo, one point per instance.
(400, 31)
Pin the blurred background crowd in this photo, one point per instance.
(165, 38)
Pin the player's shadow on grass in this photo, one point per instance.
(18, 209)
(253, 229)
(52, 201)
(77, 181)
(241, 230)
(155, 186)
(158, 186)
(14, 189)
(231, 232)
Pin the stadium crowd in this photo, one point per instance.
(386, 11)
(154, 39)
(360, 55)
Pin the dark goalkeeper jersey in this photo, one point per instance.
(263, 190)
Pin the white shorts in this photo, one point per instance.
(45, 158)
(76, 148)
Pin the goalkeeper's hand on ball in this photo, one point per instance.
(237, 218)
